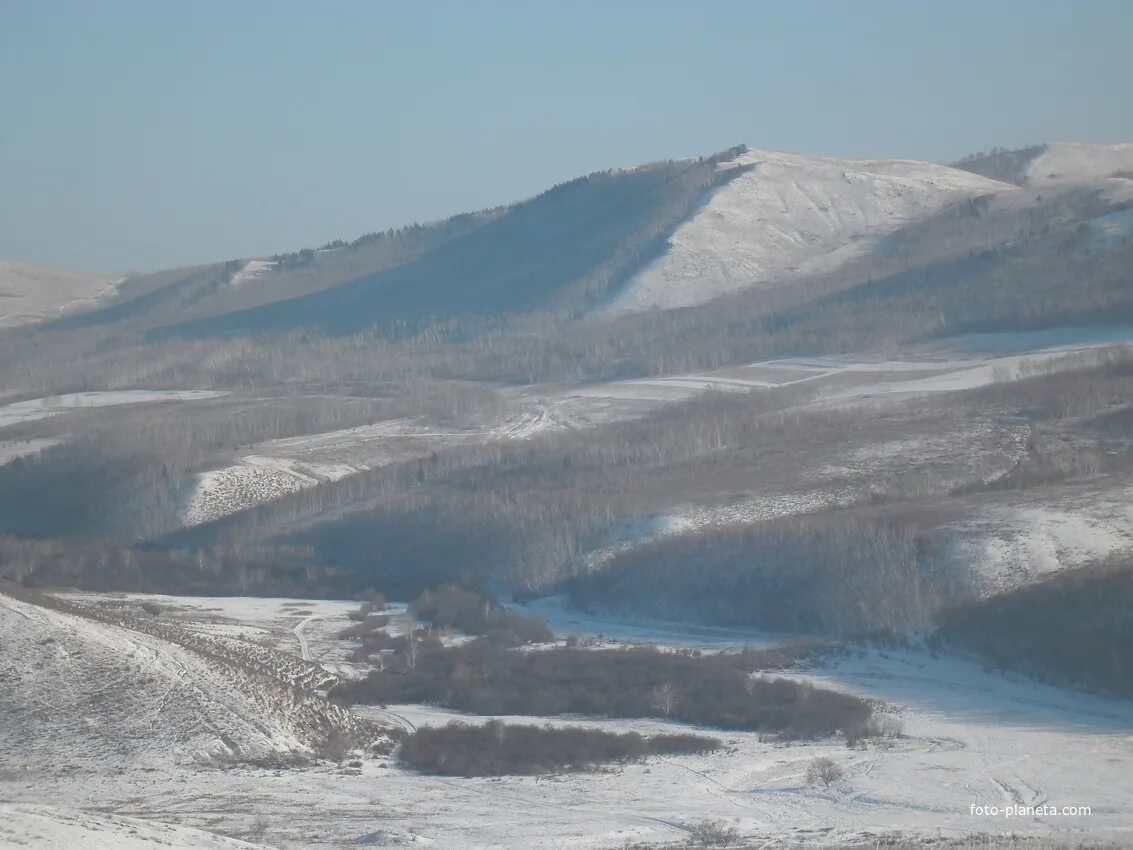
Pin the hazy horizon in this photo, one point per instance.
(143, 136)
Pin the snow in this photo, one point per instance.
(41, 408)
(82, 690)
(969, 737)
(250, 271)
(789, 217)
(1064, 162)
(30, 293)
(1014, 541)
(52, 828)
(278, 467)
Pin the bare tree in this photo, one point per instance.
(823, 771)
(709, 833)
(664, 698)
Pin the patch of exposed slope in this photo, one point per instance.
(1066, 162)
(790, 216)
(30, 293)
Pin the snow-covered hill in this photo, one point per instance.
(30, 293)
(1067, 162)
(790, 216)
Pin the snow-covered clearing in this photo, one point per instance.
(791, 216)
(40, 408)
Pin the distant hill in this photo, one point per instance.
(31, 293)
(565, 248)
(1059, 162)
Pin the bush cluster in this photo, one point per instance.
(1075, 627)
(715, 690)
(496, 749)
(473, 613)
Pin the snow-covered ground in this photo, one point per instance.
(50, 828)
(40, 408)
(1064, 162)
(1013, 541)
(30, 293)
(791, 216)
(970, 737)
(277, 467)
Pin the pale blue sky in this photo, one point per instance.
(138, 135)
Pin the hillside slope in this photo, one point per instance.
(564, 248)
(31, 293)
(1058, 162)
(790, 216)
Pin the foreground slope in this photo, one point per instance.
(84, 691)
(790, 216)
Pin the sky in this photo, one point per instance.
(143, 135)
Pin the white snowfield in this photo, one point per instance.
(788, 217)
(1065, 162)
(31, 293)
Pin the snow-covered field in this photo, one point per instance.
(789, 217)
(969, 737)
(40, 408)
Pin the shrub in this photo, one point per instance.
(713, 834)
(453, 607)
(716, 690)
(823, 771)
(496, 749)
